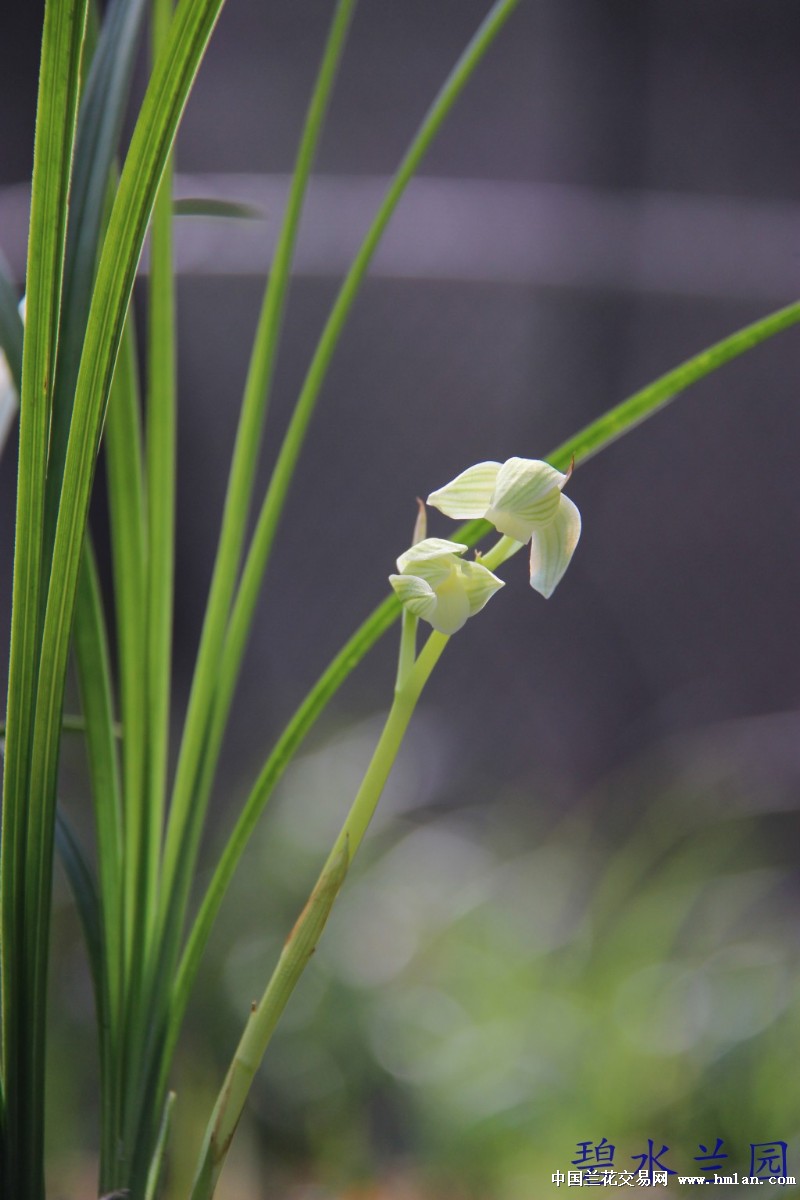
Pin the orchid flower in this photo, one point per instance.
(523, 499)
(435, 584)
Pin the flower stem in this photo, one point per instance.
(500, 551)
(302, 941)
(408, 648)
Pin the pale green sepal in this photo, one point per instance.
(469, 494)
(452, 605)
(525, 497)
(416, 594)
(510, 523)
(431, 559)
(427, 551)
(479, 585)
(553, 546)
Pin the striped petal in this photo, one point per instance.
(526, 497)
(552, 547)
(431, 559)
(469, 494)
(479, 584)
(452, 605)
(417, 595)
(426, 550)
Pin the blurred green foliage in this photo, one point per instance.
(501, 981)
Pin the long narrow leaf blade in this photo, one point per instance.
(26, 891)
(153, 136)
(191, 206)
(123, 459)
(94, 680)
(161, 449)
(87, 903)
(99, 123)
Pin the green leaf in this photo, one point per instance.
(93, 921)
(102, 110)
(123, 452)
(32, 762)
(94, 680)
(83, 886)
(199, 207)
(656, 395)
(157, 1162)
(161, 427)
(26, 880)
(155, 130)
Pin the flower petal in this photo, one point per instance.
(417, 595)
(427, 549)
(431, 559)
(552, 547)
(469, 494)
(526, 497)
(452, 604)
(479, 584)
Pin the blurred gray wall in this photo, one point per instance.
(617, 188)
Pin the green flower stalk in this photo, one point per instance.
(436, 584)
(308, 928)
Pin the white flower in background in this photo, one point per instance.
(9, 401)
(8, 393)
(435, 584)
(523, 499)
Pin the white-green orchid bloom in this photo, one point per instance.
(523, 499)
(435, 584)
